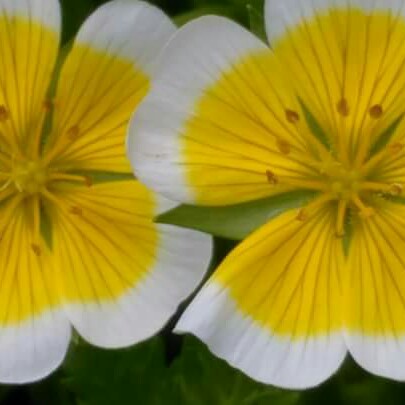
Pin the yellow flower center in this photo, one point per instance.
(29, 176)
(341, 179)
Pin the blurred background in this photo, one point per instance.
(171, 369)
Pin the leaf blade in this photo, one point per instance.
(236, 221)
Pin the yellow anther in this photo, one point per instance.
(376, 111)
(76, 211)
(36, 249)
(88, 181)
(365, 211)
(48, 105)
(396, 189)
(283, 146)
(73, 132)
(396, 147)
(271, 177)
(302, 215)
(292, 116)
(4, 113)
(343, 107)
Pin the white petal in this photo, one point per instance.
(383, 356)
(34, 348)
(47, 12)
(215, 319)
(193, 60)
(131, 29)
(182, 261)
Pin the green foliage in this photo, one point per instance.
(236, 221)
(200, 379)
(126, 376)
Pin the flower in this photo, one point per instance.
(322, 111)
(78, 242)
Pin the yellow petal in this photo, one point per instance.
(34, 330)
(226, 118)
(273, 307)
(346, 63)
(122, 275)
(29, 42)
(374, 290)
(105, 76)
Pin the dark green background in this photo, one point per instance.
(170, 369)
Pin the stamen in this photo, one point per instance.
(76, 211)
(365, 211)
(343, 107)
(271, 177)
(396, 189)
(48, 105)
(73, 132)
(390, 150)
(376, 111)
(36, 249)
(304, 213)
(71, 177)
(4, 114)
(283, 146)
(340, 221)
(292, 116)
(36, 225)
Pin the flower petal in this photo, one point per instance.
(273, 308)
(345, 59)
(34, 331)
(105, 76)
(375, 293)
(123, 275)
(29, 43)
(226, 117)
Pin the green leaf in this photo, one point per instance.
(256, 18)
(358, 387)
(199, 378)
(51, 391)
(386, 136)
(234, 221)
(125, 376)
(74, 13)
(314, 126)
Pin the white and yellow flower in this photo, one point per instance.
(321, 110)
(78, 244)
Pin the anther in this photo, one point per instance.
(36, 249)
(396, 189)
(283, 146)
(271, 177)
(376, 111)
(76, 211)
(88, 181)
(292, 116)
(396, 147)
(302, 215)
(73, 132)
(343, 107)
(4, 114)
(48, 105)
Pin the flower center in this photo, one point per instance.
(29, 176)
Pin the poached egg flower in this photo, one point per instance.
(321, 110)
(78, 244)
